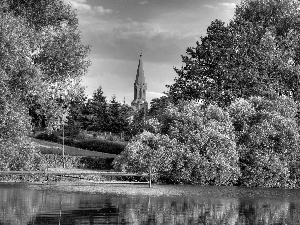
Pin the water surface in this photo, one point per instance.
(20, 204)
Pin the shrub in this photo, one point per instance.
(208, 140)
(268, 140)
(146, 151)
(54, 161)
(96, 163)
(105, 146)
(100, 146)
(198, 147)
(87, 162)
(19, 154)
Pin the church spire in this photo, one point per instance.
(140, 87)
(140, 77)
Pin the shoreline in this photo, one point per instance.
(160, 190)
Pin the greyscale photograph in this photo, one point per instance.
(168, 112)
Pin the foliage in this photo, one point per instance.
(157, 105)
(197, 146)
(14, 120)
(118, 115)
(87, 162)
(103, 116)
(146, 151)
(208, 135)
(256, 52)
(47, 56)
(75, 118)
(137, 123)
(104, 146)
(97, 163)
(268, 140)
(97, 109)
(19, 155)
(42, 58)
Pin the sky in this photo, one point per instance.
(119, 30)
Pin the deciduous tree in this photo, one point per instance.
(253, 54)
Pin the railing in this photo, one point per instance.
(73, 174)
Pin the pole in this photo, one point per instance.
(150, 175)
(63, 152)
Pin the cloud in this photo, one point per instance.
(79, 1)
(209, 6)
(143, 2)
(101, 10)
(80, 5)
(125, 39)
(154, 94)
(228, 5)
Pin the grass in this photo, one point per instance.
(47, 147)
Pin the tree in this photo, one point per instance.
(147, 150)
(42, 61)
(115, 121)
(195, 145)
(76, 118)
(207, 134)
(253, 54)
(267, 140)
(98, 111)
(137, 123)
(157, 105)
(53, 57)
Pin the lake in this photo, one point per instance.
(183, 204)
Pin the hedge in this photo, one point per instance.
(97, 145)
(86, 162)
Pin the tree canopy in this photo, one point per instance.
(257, 52)
(42, 60)
(42, 56)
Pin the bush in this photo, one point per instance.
(198, 147)
(96, 163)
(48, 137)
(145, 151)
(99, 146)
(208, 140)
(54, 161)
(19, 154)
(104, 146)
(268, 141)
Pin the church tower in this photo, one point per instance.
(140, 87)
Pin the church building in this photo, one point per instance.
(140, 87)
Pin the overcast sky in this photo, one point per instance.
(118, 30)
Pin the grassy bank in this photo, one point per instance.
(47, 147)
(74, 157)
(87, 143)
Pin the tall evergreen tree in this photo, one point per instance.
(115, 123)
(98, 110)
(118, 116)
(76, 118)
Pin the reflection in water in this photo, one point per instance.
(208, 205)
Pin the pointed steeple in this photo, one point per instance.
(140, 88)
(140, 77)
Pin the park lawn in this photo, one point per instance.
(47, 147)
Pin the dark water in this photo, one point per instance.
(199, 205)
